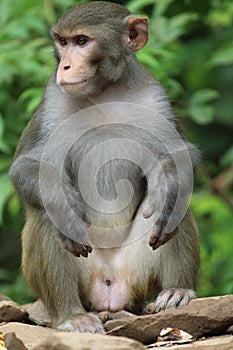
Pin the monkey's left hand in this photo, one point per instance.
(160, 236)
(160, 217)
(160, 202)
(73, 247)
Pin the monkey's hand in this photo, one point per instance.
(159, 234)
(160, 202)
(82, 323)
(73, 247)
(168, 298)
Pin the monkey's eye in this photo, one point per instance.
(62, 41)
(81, 40)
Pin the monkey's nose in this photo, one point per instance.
(67, 67)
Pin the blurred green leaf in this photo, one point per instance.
(14, 205)
(227, 159)
(5, 190)
(136, 5)
(223, 56)
(34, 96)
(200, 109)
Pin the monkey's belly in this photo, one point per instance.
(108, 294)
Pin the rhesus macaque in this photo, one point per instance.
(106, 177)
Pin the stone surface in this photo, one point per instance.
(13, 343)
(30, 335)
(85, 341)
(38, 313)
(10, 311)
(201, 317)
(41, 338)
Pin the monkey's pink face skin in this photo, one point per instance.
(75, 73)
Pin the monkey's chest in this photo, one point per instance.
(108, 178)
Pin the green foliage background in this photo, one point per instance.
(191, 53)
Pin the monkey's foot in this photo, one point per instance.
(168, 298)
(83, 323)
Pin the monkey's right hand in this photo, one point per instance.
(73, 247)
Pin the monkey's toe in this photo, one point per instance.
(173, 297)
(105, 316)
(168, 298)
(149, 309)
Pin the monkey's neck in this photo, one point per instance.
(136, 75)
(129, 88)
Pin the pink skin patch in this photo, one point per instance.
(108, 294)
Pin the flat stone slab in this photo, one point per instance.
(10, 311)
(41, 338)
(201, 317)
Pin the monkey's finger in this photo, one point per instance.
(155, 241)
(160, 236)
(78, 249)
(147, 213)
(165, 236)
(88, 248)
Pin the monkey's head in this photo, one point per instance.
(93, 44)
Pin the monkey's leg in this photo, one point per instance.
(179, 268)
(56, 276)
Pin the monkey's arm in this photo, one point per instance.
(169, 190)
(41, 185)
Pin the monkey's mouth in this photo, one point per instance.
(64, 85)
(70, 83)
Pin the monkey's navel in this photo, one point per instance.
(108, 282)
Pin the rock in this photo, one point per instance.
(10, 311)
(201, 317)
(78, 341)
(41, 338)
(30, 335)
(38, 313)
(13, 343)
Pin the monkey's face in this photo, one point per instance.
(92, 54)
(79, 57)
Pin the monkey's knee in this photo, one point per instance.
(169, 298)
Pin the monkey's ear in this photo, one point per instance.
(138, 31)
